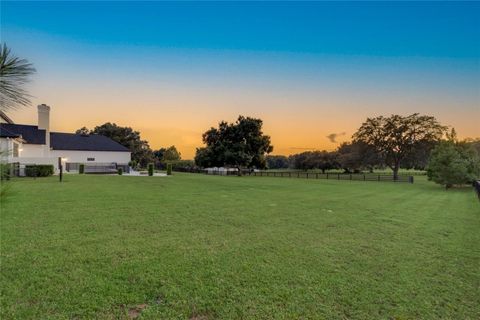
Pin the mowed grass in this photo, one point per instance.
(208, 247)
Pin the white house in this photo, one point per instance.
(30, 144)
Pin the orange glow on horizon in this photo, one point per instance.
(161, 128)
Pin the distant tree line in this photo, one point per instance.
(411, 142)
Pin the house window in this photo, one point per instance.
(90, 159)
(15, 149)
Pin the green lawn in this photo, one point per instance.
(207, 247)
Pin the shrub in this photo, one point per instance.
(39, 170)
(132, 164)
(5, 171)
(120, 171)
(150, 169)
(453, 163)
(81, 168)
(169, 169)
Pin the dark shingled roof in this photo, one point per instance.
(60, 141)
(31, 134)
(5, 133)
(92, 142)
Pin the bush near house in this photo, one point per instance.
(81, 169)
(150, 169)
(120, 171)
(169, 169)
(5, 171)
(39, 170)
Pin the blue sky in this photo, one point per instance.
(199, 63)
(376, 28)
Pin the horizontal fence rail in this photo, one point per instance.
(333, 176)
(306, 175)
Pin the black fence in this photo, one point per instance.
(333, 176)
(306, 175)
(476, 186)
(210, 172)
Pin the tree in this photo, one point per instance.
(14, 74)
(167, 154)
(239, 144)
(277, 162)
(453, 163)
(419, 156)
(164, 155)
(396, 137)
(127, 137)
(83, 131)
(475, 143)
(357, 156)
(322, 160)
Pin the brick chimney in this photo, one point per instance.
(44, 122)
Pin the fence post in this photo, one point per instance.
(327, 175)
(378, 177)
(289, 174)
(307, 175)
(410, 179)
(316, 175)
(338, 176)
(364, 177)
(350, 176)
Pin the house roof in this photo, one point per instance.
(60, 141)
(31, 134)
(92, 142)
(5, 133)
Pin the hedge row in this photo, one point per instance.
(39, 170)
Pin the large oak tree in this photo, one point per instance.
(396, 137)
(239, 144)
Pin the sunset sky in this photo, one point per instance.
(172, 70)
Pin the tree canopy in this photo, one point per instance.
(239, 144)
(357, 156)
(396, 137)
(322, 160)
(277, 162)
(167, 155)
(454, 163)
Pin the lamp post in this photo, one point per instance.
(60, 167)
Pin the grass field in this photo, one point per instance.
(207, 247)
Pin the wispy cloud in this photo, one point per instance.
(333, 136)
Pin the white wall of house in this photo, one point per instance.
(32, 150)
(74, 156)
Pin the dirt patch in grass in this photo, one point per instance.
(135, 312)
